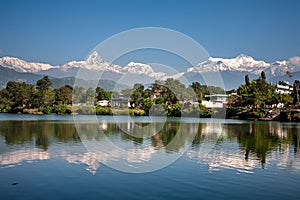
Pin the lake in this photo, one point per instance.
(105, 157)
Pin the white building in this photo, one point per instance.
(216, 101)
(103, 103)
(284, 87)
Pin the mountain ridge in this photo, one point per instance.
(228, 67)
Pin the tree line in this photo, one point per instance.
(170, 97)
(20, 97)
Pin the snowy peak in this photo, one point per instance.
(140, 68)
(93, 62)
(23, 66)
(95, 59)
(242, 63)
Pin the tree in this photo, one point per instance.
(173, 91)
(137, 96)
(90, 95)
(127, 92)
(101, 94)
(138, 87)
(247, 81)
(19, 94)
(79, 95)
(43, 85)
(63, 95)
(199, 90)
(263, 76)
(257, 92)
(296, 92)
(147, 93)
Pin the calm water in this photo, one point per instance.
(49, 157)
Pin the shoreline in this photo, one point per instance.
(284, 116)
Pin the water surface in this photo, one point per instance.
(45, 157)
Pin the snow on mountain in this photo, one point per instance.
(93, 62)
(96, 63)
(23, 66)
(140, 68)
(75, 64)
(242, 63)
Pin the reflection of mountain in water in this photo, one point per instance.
(241, 146)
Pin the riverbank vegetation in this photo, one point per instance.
(253, 99)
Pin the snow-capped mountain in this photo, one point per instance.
(232, 70)
(244, 63)
(140, 68)
(93, 62)
(23, 66)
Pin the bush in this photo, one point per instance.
(296, 117)
(62, 109)
(285, 116)
(174, 110)
(47, 110)
(191, 112)
(103, 111)
(136, 112)
(158, 110)
(85, 110)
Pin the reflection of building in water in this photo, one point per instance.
(213, 130)
(276, 129)
(103, 125)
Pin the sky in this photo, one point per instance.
(58, 31)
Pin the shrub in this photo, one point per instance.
(174, 110)
(62, 109)
(47, 110)
(85, 110)
(136, 112)
(296, 117)
(103, 111)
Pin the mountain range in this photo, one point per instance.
(232, 71)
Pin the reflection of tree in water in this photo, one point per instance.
(39, 132)
(42, 141)
(257, 138)
(174, 135)
(261, 138)
(295, 137)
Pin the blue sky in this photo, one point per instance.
(59, 31)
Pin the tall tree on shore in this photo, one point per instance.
(137, 95)
(63, 95)
(46, 96)
(247, 80)
(20, 94)
(101, 94)
(296, 92)
(199, 90)
(263, 75)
